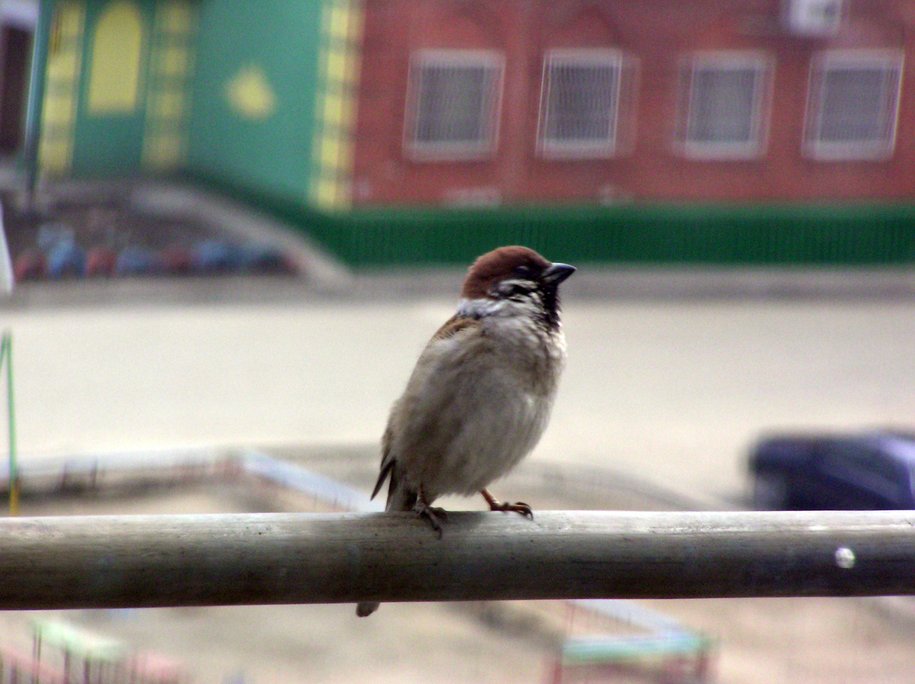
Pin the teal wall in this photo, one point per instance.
(111, 143)
(267, 46)
(114, 97)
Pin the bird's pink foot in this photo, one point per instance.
(517, 507)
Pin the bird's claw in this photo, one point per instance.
(517, 507)
(436, 516)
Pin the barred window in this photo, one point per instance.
(722, 103)
(853, 100)
(453, 103)
(580, 103)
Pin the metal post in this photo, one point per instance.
(37, 78)
(6, 359)
(194, 560)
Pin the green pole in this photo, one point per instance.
(6, 354)
(37, 78)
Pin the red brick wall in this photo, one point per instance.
(658, 34)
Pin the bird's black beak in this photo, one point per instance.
(556, 273)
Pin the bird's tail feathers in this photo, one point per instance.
(400, 498)
(366, 608)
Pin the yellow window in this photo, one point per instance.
(117, 60)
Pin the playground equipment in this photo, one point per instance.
(84, 657)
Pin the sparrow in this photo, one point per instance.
(482, 390)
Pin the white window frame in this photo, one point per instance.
(815, 148)
(452, 151)
(734, 60)
(580, 149)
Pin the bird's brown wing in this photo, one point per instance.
(450, 328)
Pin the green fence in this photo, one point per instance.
(650, 234)
(658, 234)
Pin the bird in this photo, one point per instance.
(481, 393)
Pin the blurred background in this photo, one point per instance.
(230, 227)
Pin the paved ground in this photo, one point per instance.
(666, 393)
(669, 391)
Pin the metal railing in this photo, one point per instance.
(183, 560)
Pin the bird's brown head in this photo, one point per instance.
(516, 273)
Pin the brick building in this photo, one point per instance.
(473, 102)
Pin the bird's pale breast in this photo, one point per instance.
(477, 403)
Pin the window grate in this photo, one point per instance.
(580, 103)
(454, 102)
(852, 109)
(722, 106)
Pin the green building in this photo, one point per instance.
(225, 89)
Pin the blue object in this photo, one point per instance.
(215, 256)
(66, 259)
(52, 234)
(868, 471)
(135, 260)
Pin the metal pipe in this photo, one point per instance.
(195, 560)
(6, 360)
(35, 104)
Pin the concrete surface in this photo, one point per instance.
(663, 394)
(672, 392)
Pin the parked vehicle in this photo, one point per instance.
(871, 470)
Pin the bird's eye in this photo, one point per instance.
(523, 271)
